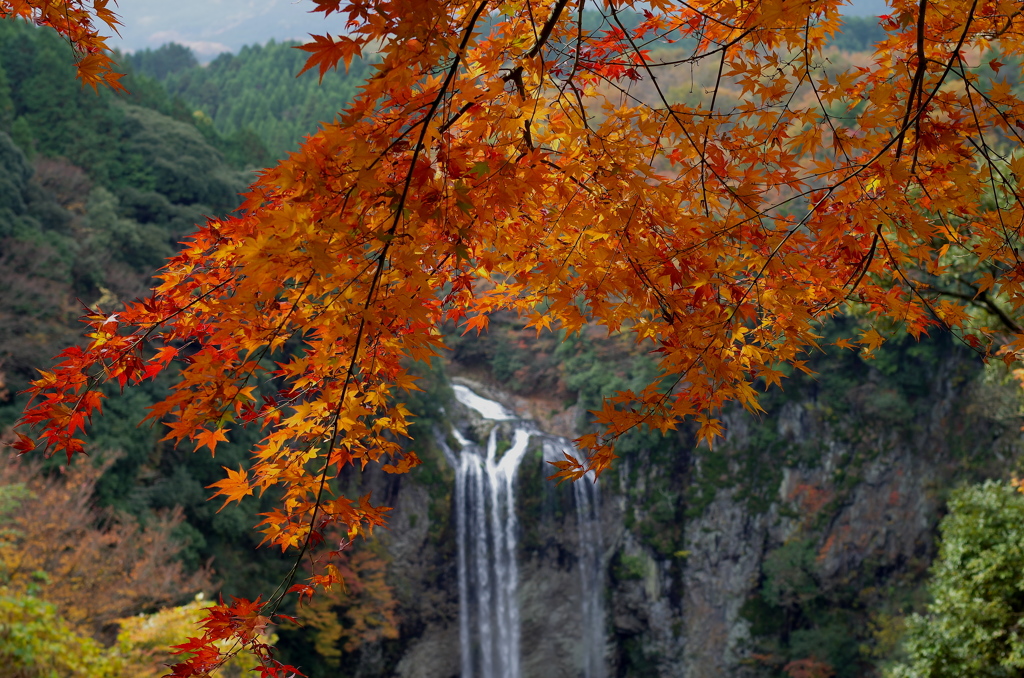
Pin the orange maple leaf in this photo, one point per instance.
(408, 461)
(233, 488)
(326, 52)
(209, 438)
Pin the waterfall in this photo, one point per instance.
(591, 576)
(489, 625)
(588, 525)
(486, 524)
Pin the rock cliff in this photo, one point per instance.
(803, 536)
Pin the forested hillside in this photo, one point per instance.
(96, 190)
(255, 89)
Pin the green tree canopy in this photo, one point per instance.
(974, 625)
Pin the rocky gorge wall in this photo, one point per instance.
(800, 540)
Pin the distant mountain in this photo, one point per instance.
(210, 27)
(255, 92)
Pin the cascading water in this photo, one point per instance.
(588, 524)
(489, 629)
(591, 571)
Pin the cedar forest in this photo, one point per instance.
(731, 187)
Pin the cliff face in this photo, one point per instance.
(800, 539)
(808, 532)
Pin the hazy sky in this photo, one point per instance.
(210, 27)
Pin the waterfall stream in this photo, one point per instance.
(591, 547)
(489, 624)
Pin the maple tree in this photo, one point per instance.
(503, 156)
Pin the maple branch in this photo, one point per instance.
(456, 116)
(898, 136)
(381, 262)
(569, 80)
(549, 25)
(284, 321)
(466, 36)
(668, 108)
(992, 171)
(684, 374)
(989, 163)
(1009, 24)
(286, 583)
(987, 302)
(922, 65)
(865, 263)
(913, 288)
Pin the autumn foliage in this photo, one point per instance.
(146, 642)
(94, 566)
(503, 156)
